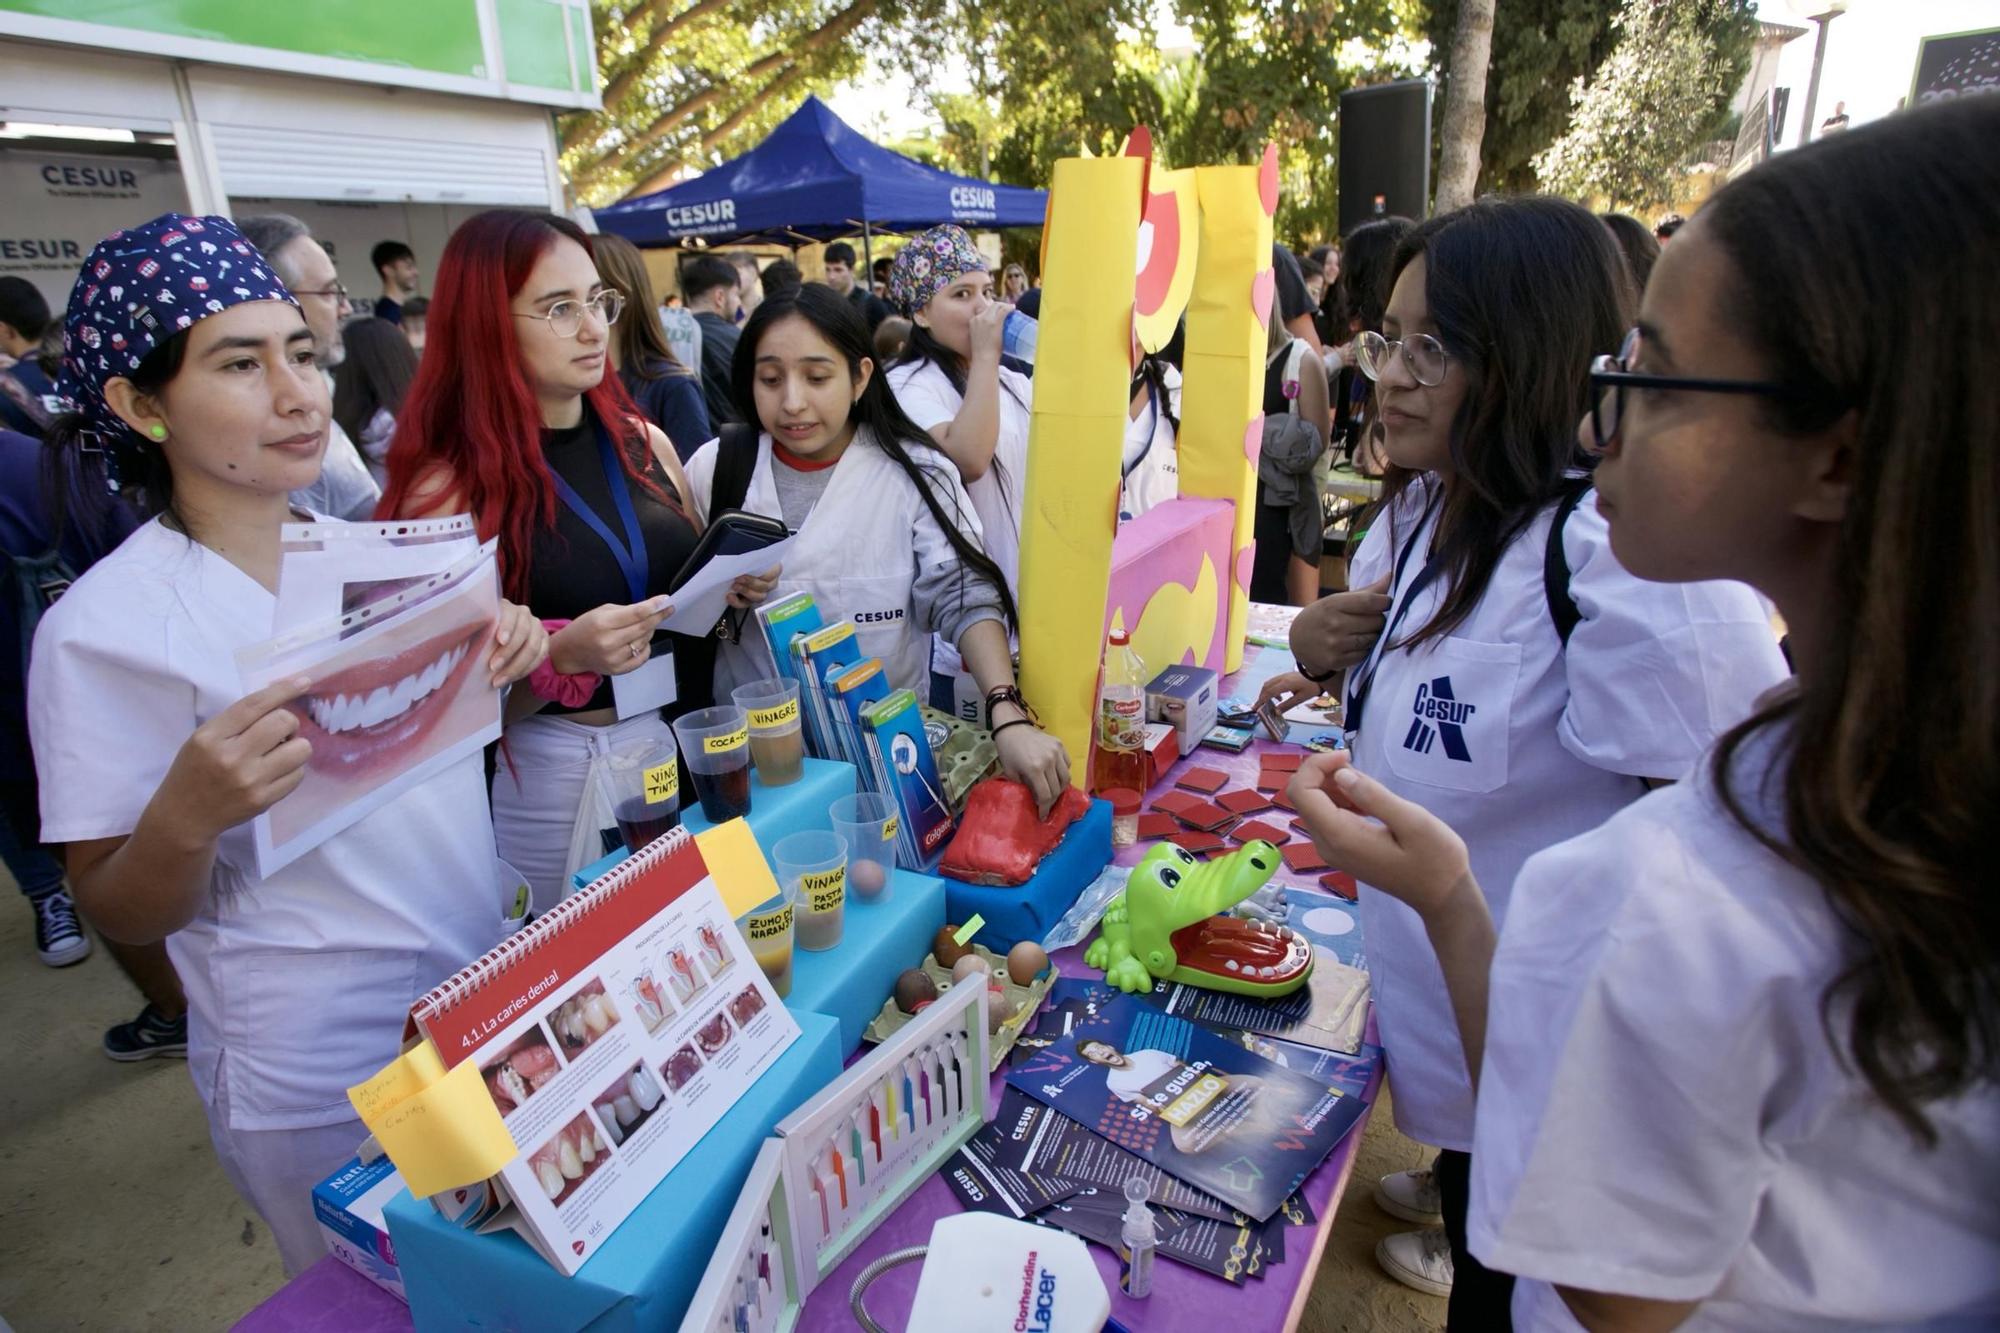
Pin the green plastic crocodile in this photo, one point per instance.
(1166, 927)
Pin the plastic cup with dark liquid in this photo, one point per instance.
(814, 866)
(777, 741)
(644, 782)
(716, 744)
(769, 929)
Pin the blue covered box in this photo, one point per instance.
(1029, 911)
(642, 1277)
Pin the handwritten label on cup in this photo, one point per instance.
(824, 890)
(726, 742)
(765, 719)
(769, 925)
(889, 829)
(663, 782)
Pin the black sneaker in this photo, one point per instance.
(146, 1036)
(59, 937)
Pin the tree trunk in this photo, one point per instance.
(1465, 105)
(584, 127)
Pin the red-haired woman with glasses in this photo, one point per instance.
(514, 419)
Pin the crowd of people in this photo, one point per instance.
(1677, 946)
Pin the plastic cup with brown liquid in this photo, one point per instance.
(777, 740)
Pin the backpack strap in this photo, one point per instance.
(1563, 609)
(735, 460)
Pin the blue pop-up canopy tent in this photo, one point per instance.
(816, 178)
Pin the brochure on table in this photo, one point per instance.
(611, 1035)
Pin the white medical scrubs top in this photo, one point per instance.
(1151, 464)
(297, 985)
(1661, 1114)
(1519, 743)
(859, 553)
(926, 396)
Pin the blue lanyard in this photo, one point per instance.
(1363, 680)
(630, 553)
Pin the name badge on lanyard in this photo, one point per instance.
(652, 685)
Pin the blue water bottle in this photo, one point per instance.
(1017, 337)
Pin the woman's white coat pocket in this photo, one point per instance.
(1448, 719)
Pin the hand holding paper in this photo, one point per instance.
(700, 602)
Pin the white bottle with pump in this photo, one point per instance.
(1141, 1239)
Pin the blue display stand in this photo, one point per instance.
(645, 1274)
(1029, 911)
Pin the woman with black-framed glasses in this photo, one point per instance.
(1517, 682)
(1738, 1050)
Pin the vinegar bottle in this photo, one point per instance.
(1120, 758)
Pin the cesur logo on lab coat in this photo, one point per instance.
(1440, 717)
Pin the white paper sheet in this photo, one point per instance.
(330, 569)
(701, 601)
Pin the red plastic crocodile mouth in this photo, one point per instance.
(1234, 949)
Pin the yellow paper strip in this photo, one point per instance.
(737, 865)
(441, 1136)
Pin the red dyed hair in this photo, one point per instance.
(471, 419)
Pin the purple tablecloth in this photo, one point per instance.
(330, 1297)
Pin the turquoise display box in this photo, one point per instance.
(1031, 910)
(879, 939)
(646, 1273)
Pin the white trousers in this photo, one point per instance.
(543, 824)
(275, 1171)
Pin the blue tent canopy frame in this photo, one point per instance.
(816, 178)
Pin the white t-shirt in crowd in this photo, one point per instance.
(297, 985)
(1151, 465)
(1141, 1070)
(926, 396)
(1661, 1113)
(1519, 743)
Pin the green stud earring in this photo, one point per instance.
(157, 431)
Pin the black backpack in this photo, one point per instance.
(1563, 609)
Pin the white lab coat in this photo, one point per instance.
(1151, 463)
(298, 985)
(858, 553)
(1000, 495)
(1520, 744)
(1661, 1113)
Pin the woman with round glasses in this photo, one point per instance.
(1516, 681)
(514, 419)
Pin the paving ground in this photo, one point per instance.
(115, 1215)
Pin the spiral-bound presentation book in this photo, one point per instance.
(612, 1033)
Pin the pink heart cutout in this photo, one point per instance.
(1261, 291)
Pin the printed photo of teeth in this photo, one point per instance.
(520, 1070)
(566, 1160)
(628, 1103)
(583, 1017)
(681, 1067)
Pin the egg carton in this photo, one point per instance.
(1027, 1001)
(964, 753)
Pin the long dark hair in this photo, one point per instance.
(375, 374)
(837, 321)
(81, 465)
(1362, 289)
(642, 344)
(1636, 242)
(1889, 776)
(1523, 292)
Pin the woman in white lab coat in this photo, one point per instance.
(1522, 710)
(886, 534)
(1740, 1042)
(152, 764)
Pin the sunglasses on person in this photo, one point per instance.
(1610, 376)
(566, 317)
(1423, 355)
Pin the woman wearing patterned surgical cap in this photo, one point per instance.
(190, 364)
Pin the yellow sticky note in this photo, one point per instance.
(663, 782)
(403, 1077)
(737, 865)
(442, 1131)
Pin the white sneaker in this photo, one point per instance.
(1412, 1196)
(1420, 1259)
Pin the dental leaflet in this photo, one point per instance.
(611, 1034)
(400, 693)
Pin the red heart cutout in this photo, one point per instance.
(576, 1245)
(461, 1196)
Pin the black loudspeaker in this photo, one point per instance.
(1385, 152)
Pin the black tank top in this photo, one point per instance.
(572, 571)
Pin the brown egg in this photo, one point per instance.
(946, 948)
(967, 965)
(914, 990)
(1026, 961)
(998, 1007)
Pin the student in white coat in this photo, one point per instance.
(951, 383)
(1524, 685)
(886, 534)
(152, 763)
(1740, 1043)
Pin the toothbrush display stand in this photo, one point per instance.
(642, 1277)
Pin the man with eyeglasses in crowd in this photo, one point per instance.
(344, 489)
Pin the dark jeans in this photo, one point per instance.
(26, 859)
(1481, 1299)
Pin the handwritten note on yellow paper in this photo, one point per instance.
(737, 865)
(440, 1128)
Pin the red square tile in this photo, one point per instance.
(1204, 816)
(1304, 857)
(1257, 828)
(1284, 761)
(1243, 802)
(1194, 840)
(1341, 884)
(1282, 801)
(1206, 780)
(1173, 802)
(1158, 825)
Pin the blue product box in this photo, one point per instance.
(348, 1206)
(1185, 698)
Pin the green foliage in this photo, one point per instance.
(1662, 94)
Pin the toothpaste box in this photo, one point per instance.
(348, 1205)
(1184, 697)
(1162, 745)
